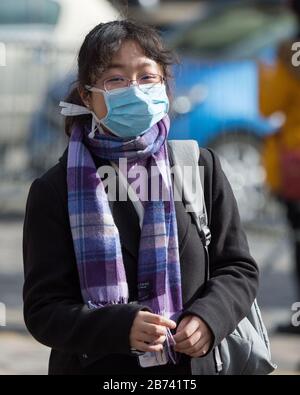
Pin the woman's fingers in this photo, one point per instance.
(197, 346)
(183, 323)
(193, 336)
(194, 339)
(188, 343)
(150, 328)
(158, 320)
(154, 330)
(160, 340)
(187, 331)
(141, 346)
(145, 337)
(203, 350)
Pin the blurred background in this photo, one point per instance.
(222, 46)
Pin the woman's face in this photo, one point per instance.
(130, 62)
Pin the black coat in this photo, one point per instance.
(87, 341)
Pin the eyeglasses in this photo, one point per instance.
(118, 82)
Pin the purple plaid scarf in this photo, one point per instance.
(95, 235)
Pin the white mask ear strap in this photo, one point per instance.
(93, 128)
(94, 89)
(70, 109)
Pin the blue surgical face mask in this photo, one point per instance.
(134, 110)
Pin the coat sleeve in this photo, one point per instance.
(54, 311)
(233, 282)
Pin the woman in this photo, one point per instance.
(104, 284)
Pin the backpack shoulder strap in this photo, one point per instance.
(186, 153)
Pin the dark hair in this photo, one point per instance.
(98, 48)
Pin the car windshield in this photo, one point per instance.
(15, 12)
(230, 27)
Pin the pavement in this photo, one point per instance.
(21, 354)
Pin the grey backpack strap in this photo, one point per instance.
(185, 155)
(189, 179)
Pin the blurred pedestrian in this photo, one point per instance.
(280, 92)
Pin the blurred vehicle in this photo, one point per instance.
(216, 100)
(41, 39)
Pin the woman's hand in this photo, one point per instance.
(193, 337)
(149, 328)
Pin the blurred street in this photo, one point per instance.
(21, 354)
